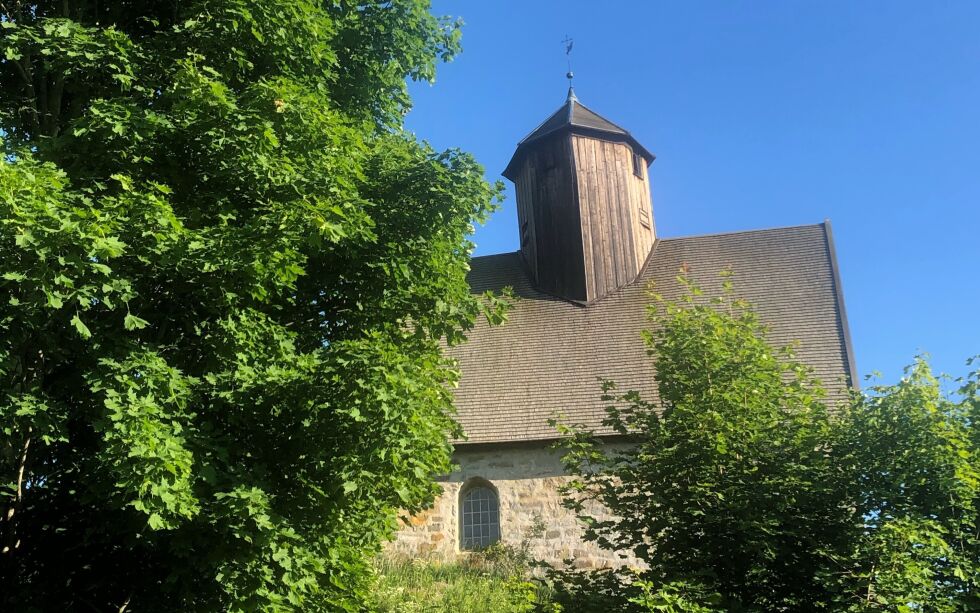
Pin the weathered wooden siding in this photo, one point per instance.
(548, 214)
(585, 219)
(524, 188)
(615, 211)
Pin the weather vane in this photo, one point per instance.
(568, 42)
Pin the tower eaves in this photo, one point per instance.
(573, 115)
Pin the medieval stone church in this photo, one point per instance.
(589, 251)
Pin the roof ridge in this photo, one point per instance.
(494, 255)
(750, 231)
(685, 237)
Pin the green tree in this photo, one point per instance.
(226, 272)
(909, 460)
(743, 491)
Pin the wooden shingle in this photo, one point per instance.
(548, 359)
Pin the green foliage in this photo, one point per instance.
(497, 578)
(744, 492)
(505, 559)
(670, 598)
(226, 271)
(911, 456)
(476, 582)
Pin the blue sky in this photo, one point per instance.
(762, 114)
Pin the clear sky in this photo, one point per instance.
(762, 114)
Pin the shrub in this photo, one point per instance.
(743, 491)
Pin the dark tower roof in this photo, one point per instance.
(575, 116)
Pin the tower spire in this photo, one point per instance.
(583, 203)
(568, 43)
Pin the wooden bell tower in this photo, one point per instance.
(583, 203)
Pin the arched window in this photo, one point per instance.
(479, 512)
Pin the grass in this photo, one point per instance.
(475, 583)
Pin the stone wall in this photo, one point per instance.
(526, 478)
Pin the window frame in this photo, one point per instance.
(637, 165)
(492, 534)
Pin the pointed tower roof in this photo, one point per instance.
(575, 117)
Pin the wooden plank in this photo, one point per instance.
(607, 200)
(608, 218)
(627, 212)
(636, 229)
(524, 195)
(601, 255)
(574, 216)
(619, 201)
(581, 175)
(585, 214)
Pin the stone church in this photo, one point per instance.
(589, 250)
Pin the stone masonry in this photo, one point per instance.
(526, 479)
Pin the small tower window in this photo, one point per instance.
(637, 164)
(479, 517)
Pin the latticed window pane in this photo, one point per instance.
(480, 518)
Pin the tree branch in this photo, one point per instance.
(871, 582)
(11, 518)
(23, 73)
(54, 104)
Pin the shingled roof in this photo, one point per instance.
(548, 358)
(575, 116)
